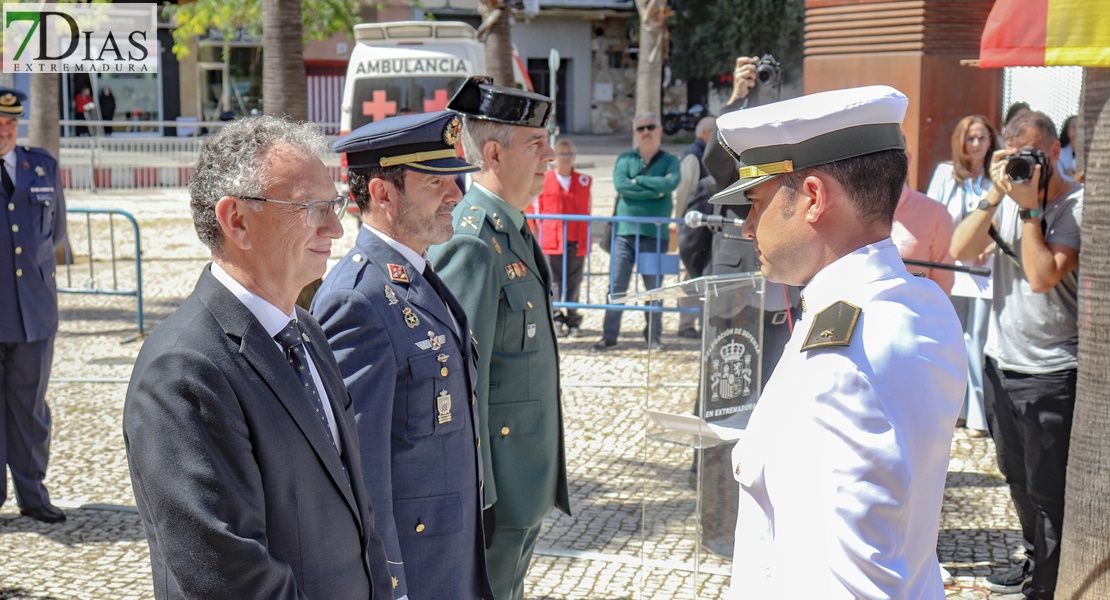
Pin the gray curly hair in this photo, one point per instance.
(233, 163)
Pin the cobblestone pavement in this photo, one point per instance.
(619, 478)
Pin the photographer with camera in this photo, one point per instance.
(1033, 213)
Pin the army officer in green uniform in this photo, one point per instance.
(494, 267)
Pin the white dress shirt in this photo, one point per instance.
(273, 320)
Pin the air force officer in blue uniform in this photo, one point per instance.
(33, 225)
(405, 352)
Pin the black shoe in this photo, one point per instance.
(689, 333)
(1011, 580)
(47, 513)
(603, 345)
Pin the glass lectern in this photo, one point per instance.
(681, 534)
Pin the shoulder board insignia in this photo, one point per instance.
(390, 296)
(497, 222)
(469, 221)
(833, 326)
(398, 273)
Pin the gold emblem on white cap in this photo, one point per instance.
(8, 100)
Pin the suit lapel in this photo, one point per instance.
(263, 354)
(417, 290)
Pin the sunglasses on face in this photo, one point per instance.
(643, 128)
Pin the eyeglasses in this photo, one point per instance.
(972, 139)
(316, 213)
(643, 128)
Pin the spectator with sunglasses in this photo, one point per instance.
(645, 178)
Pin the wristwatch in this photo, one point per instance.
(985, 204)
(1029, 213)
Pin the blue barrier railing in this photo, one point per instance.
(95, 283)
(659, 262)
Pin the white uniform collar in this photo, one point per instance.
(869, 263)
(410, 255)
(272, 318)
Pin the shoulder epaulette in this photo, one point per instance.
(470, 220)
(833, 326)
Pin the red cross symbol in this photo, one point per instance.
(438, 102)
(378, 108)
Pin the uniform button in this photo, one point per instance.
(11, 206)
(15, 228)
(419, 528)
(19, 272)
(529, 304)
(19, 249)
(443, 371)
(47, 203)
(504, 431)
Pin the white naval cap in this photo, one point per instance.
(811, 130)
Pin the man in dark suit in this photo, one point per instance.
(496, 270)
(32, 226)
(240, 435)
(405, 352)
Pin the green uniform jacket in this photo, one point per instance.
(650, 195)
(493, 272)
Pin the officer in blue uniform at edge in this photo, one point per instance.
(496, 270)
(32, 226)
(404, 348)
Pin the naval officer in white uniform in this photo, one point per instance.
(843, 463)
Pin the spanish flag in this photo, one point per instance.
(1047, 33)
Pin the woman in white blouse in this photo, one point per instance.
(960, 185)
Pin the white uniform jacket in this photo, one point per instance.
(842, 466)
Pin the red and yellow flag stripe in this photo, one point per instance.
(1039, 33)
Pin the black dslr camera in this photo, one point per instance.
(768, 71)
(1020, 166)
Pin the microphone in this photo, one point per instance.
(698, 219)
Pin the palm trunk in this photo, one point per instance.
(496, 33)
(284, 87)
(45, 112)
(649, 69)
(1085, 548)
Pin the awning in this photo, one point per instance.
(1039, 33)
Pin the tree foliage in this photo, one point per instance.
(708, 35)
(319, 19)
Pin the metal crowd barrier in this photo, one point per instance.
(138, 160)
(97, 282)
(659, 262)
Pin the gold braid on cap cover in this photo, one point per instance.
(775, 168)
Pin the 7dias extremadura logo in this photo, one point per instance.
(80, 38)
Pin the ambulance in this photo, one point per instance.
(407, 67)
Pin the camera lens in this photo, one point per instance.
(1020, 168)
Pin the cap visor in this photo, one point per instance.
(734, 194)
(443, 166)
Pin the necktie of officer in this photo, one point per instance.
(436, 282)
(292, 339)
(9, 186)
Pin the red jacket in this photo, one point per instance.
(555, 201)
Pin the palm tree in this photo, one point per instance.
(496, 33)
(284, 86)
(653, 41)
(1085, 548)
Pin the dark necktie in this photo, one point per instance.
(9, 186)
(437, 283)
(293, 340)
